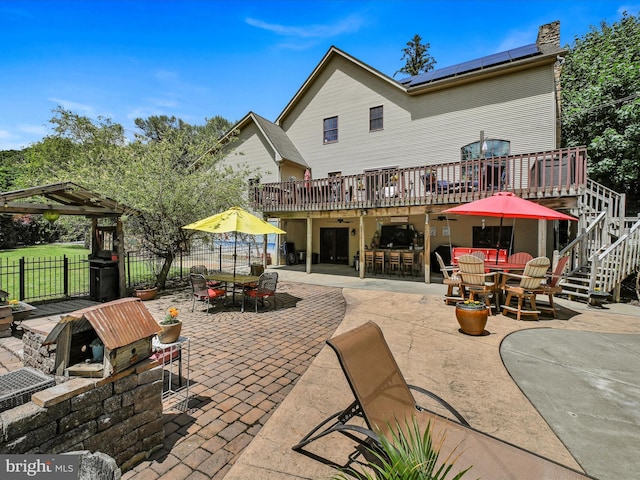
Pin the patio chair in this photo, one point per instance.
(202, 292)
(551, 286)
(475, 281)
(385, 402)
(201, 269)
(519, 257)
(480, 255)
(534, 273)
(267, 284)
(451, 280)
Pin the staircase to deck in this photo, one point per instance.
(607, 249)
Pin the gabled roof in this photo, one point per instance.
(498, 63)
(279, 139)
(274, 135)
(527, 56)
(69, 198)
(328, 57)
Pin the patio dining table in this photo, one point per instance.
(237, 280)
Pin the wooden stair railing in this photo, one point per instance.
(606, 251)
(617, 262)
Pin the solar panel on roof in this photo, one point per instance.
(524, 51)
(471, 65)
(495, 59)
(444, 72)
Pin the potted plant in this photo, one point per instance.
(170, 327)
(472, 317)
(146, 292)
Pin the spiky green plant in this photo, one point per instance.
(408, 456)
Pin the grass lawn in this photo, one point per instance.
(44, 271)
(48, 250)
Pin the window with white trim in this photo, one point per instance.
(330, 130)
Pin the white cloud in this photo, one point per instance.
(11, 141)
(39, 130)
(630, 9)
(74, 106)
(350, 24)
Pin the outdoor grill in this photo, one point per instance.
(123, 328)
(16, 387)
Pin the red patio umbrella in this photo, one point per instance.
(507, 205)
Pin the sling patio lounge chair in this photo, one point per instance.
(384, 403)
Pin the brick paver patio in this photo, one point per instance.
(242, 366)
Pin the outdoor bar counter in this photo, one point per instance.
(418, 256)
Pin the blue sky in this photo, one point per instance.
(198, 59)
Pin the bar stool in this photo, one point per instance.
(368, 261)
(407, 262)
(394, 263)
(379, 262)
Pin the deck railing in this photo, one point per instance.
(537, 175)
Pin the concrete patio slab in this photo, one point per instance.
(261, 381)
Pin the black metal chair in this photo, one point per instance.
(267, 284)
(203, 292)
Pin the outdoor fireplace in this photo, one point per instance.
(123, 328)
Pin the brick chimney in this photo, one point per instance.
(549, 33)
(549, 40)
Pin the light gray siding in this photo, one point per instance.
(425, 129)
(251, 148)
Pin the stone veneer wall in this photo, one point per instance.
(120, 416)
(36, 355)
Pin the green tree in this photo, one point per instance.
(10, 160)
(169, 172)
(417, 58)
(601, 104)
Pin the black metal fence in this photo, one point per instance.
(47, 278)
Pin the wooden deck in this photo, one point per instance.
(552, 174)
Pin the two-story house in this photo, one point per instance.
(358, 160)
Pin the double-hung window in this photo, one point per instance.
(330, 130)
(375, 118)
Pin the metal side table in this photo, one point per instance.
(171, 356)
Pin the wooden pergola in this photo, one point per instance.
(71, 199)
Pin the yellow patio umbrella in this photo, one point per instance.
(234, 220)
